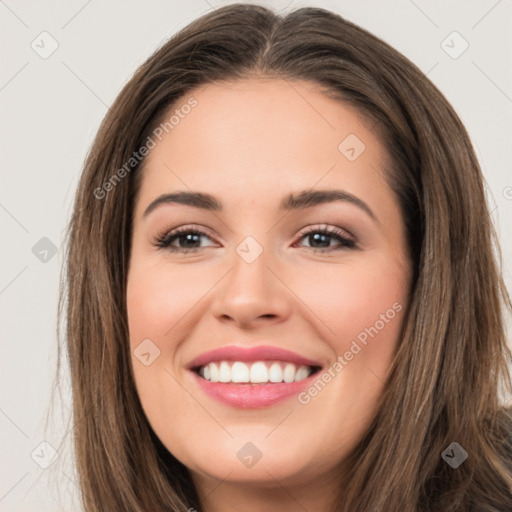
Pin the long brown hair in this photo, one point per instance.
(451, 363)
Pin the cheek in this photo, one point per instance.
(363, 302)
(153, 308)
(359, 313)
(159, 301)
(164, 307)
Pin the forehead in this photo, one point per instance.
(260, 135)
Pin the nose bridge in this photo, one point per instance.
(249, 281)
(250, 267)
(251, 290)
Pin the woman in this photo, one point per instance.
(282, 293)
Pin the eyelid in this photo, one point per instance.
(163, 240)
(329, 228)
(168, 233)
(348, 241)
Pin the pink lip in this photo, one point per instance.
(260, 353)
(251, 396)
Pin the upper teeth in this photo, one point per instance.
(255, 373)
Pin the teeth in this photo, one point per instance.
(289, 373)
(239, 372)
(214, 373)
(301, 373)
(258, 372)
(275, 373)
(224, 372)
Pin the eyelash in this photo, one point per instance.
(164, 240)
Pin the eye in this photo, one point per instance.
(183, 240)
(320, 239)
(186, 239)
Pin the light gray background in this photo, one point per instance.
(51, 109)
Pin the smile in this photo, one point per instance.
(258, 372)
(252, 377)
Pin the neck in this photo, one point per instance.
(318, 495)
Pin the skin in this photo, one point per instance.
(250, 143)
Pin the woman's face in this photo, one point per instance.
(299, 247)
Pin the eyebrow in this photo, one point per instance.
(299, 201)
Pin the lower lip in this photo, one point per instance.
(252, 396)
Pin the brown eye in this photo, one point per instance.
(181, 240)
(320, 239)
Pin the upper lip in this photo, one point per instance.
(259, 353)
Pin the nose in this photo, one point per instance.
(251, 295)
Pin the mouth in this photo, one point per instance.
(252, 378)
(256, 372)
